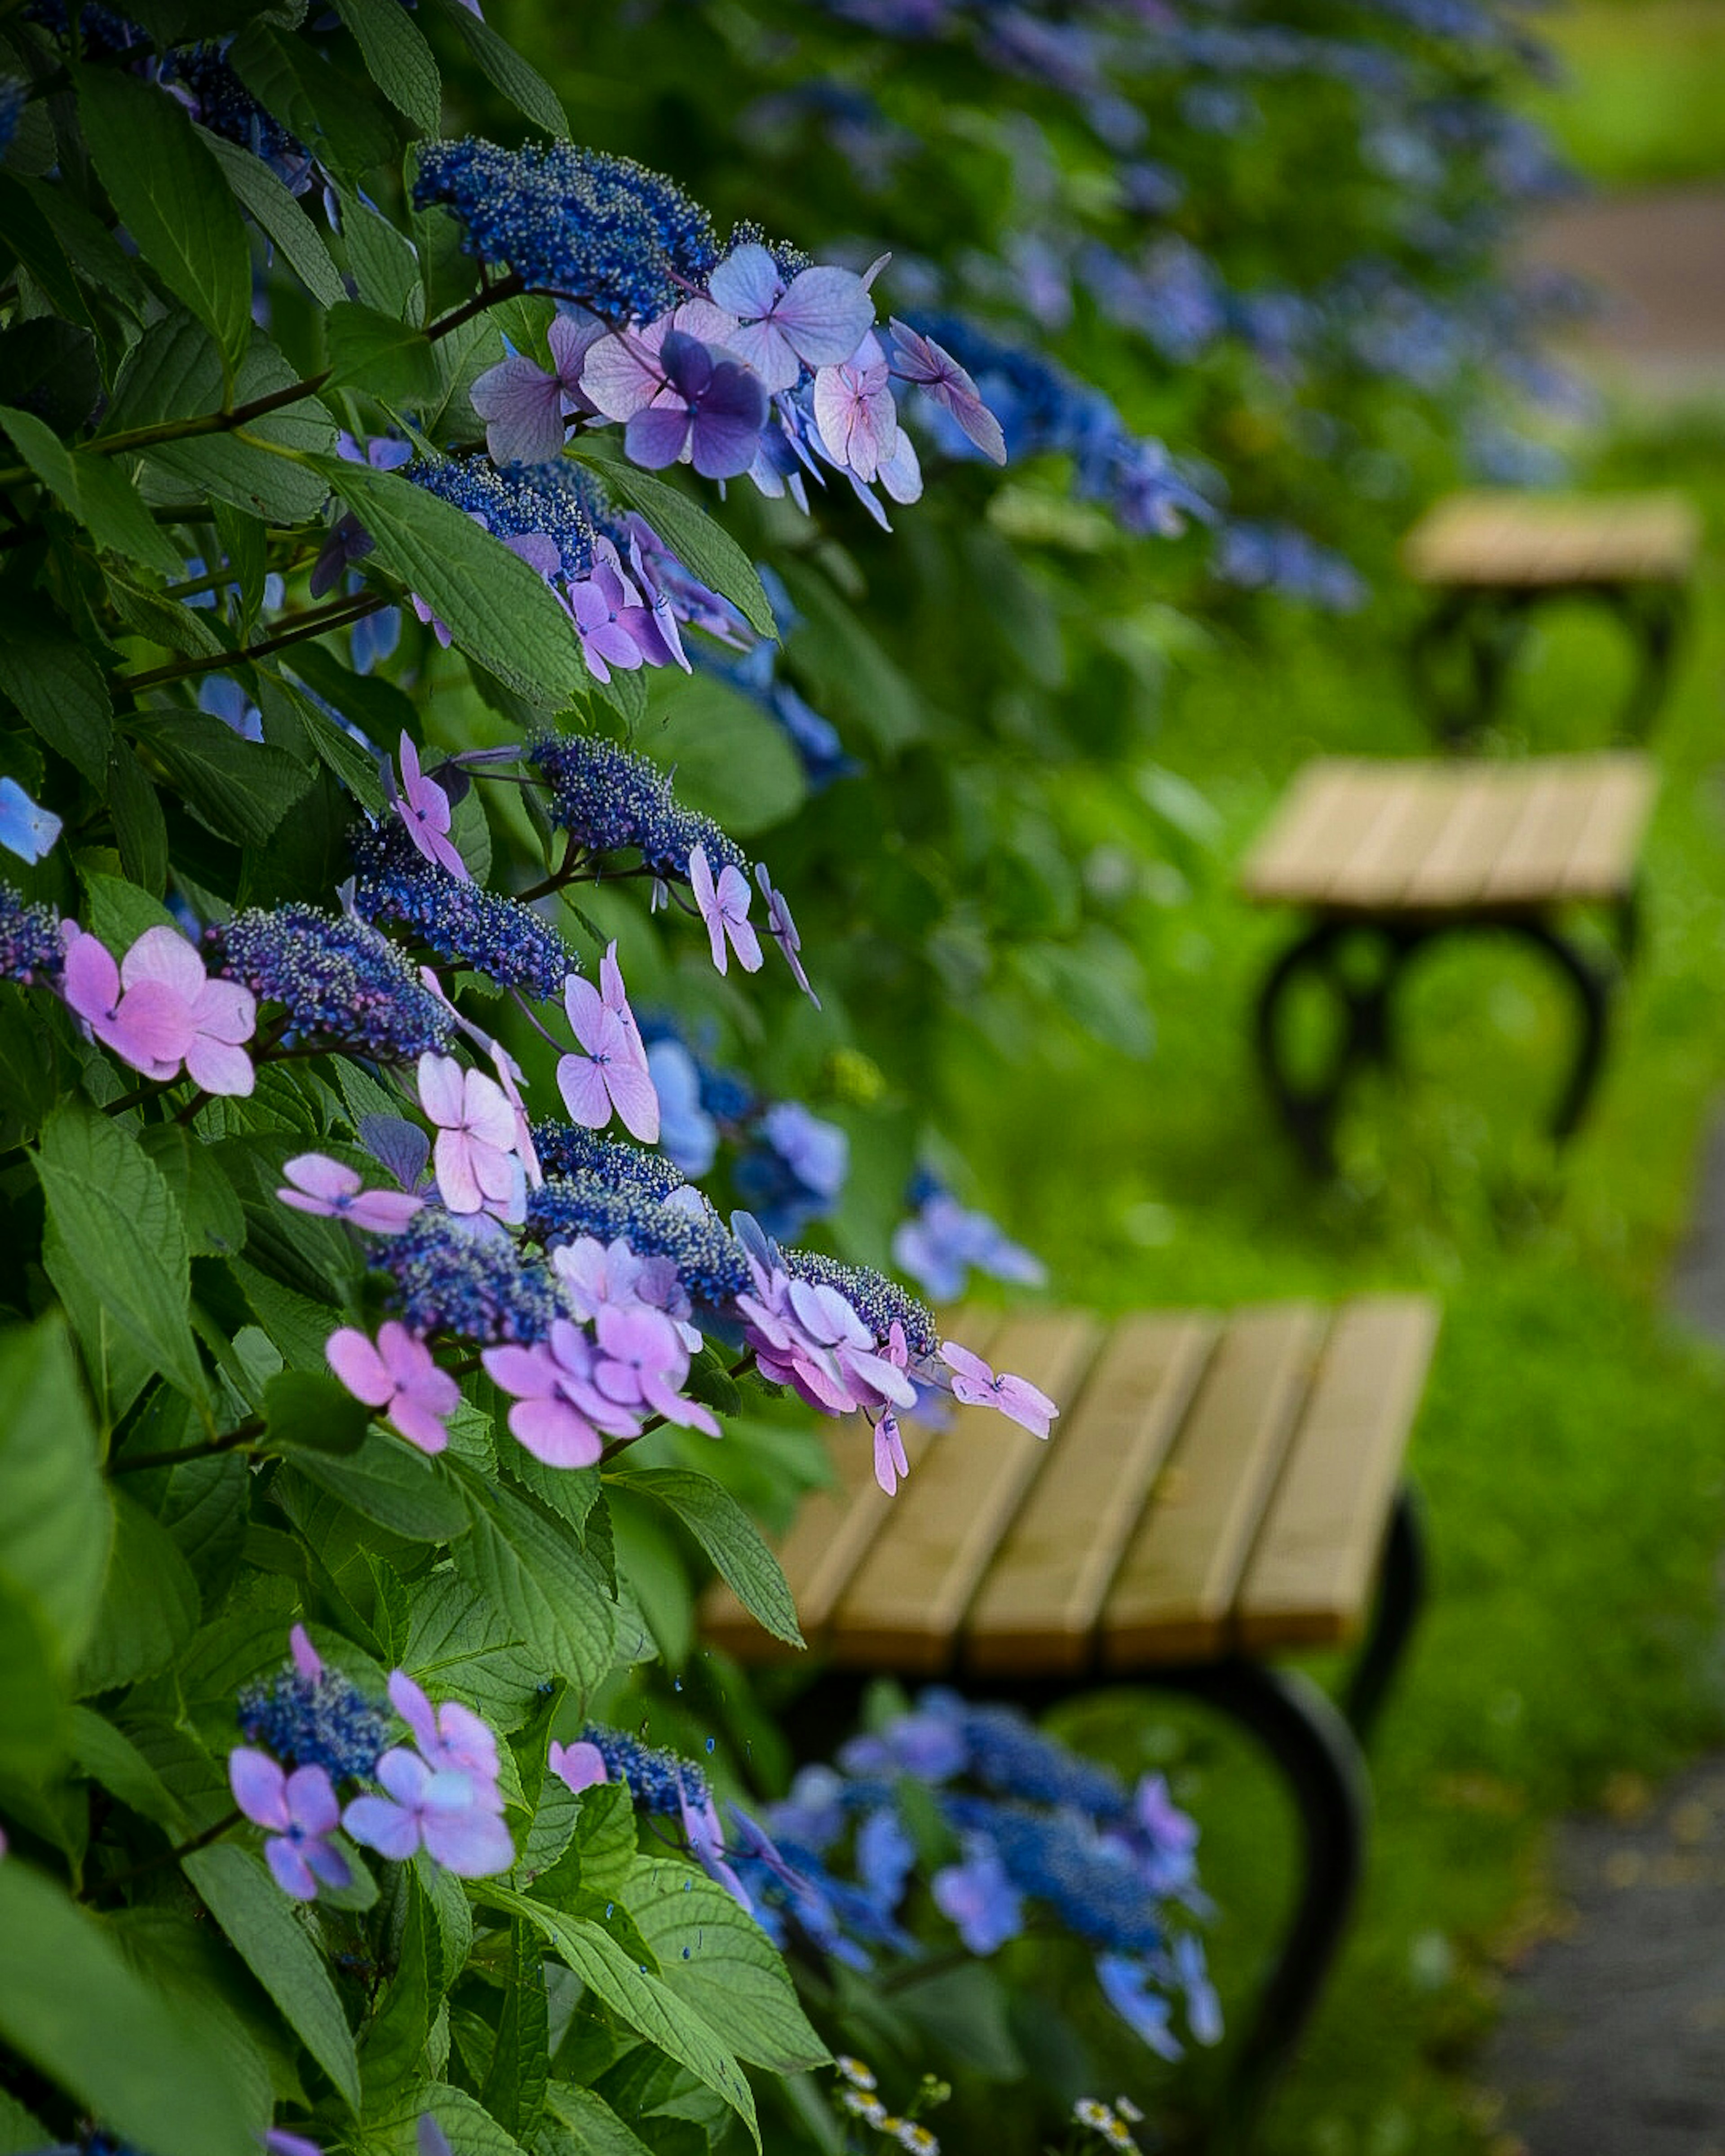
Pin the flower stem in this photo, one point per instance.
(488, 295)
(230, 1441)
(186, 430)
(295, 630)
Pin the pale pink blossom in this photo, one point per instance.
(398, 1377)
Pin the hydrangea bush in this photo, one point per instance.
(357, 1234)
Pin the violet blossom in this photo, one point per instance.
(333, 1191)
(724, 908)
(301, 1812)
(477, 1168)
(398, 1378)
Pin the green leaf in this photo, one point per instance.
(394, 2037)
(398, 59)
(730, 1538)
(505, 69)
(108, 1756)
(174, 372)
(645, 2002)
(849, 676)
(50, 367)
(336, 118)
(514, 2092)
(698, 541)
(389, 1482)
(386, 267)
(590, 2124)
(57, 687)
(207, 1509)
(103, 499)
(732, 762)
(119, 1225)
(33, 1721)
(241, 789)
(305, 1410)
(717, 1958)
(387, 359)
(140, 827)
(172, 198)
(119, 913)
(337, 750)
(209, 1205)
(70, 2004)
(21, 2132)
(535, 1573)
(279, 217)
(467, 2127)
(236, 1889)
(56, 1527)
(92, 249)
(26, 236)
(149, 1607)
(460, 1646)
(497, 608)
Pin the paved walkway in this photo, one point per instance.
(1612, 2037)
(1657, 260)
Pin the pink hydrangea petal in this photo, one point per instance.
(90, 978)
(522, 406)
(631, 1088)
(441, 1092)
(582, 1083)
(226, 1010)
(259, 1787)
(291, 1872)
(359, 1366)
(553, 1431)
(473, 1845)
(963, 1364)
(526, 1373)
(390, 1829)
(406, 1781)
(152, 1028)
(418, 1423)
(163, 955)
(384, 1212)
(580, 1766)
(455, 1178)
(219, 1068)
(585, 1007)
(319, 1178)
(488, 1114)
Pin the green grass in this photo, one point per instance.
(1571, 1445)
(1643, 83)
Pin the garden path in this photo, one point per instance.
(1612, 2037)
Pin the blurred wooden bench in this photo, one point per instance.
(1219, 1490)
(1493, 559)
(1386, 856)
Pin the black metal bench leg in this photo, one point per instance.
(1593, 985)
(1653, 614)
(1311, 1741)
(1401, 1595)
(1321, 954)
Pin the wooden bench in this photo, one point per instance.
(1219, 1490)
(1492, 559)
(1385, 857)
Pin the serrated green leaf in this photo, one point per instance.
(645, 2002)
(119, 1225)
(713, 1954)
(57, 687)
(334, 115)
(536, 1575)
(108, 1756)
(461, 1647)
(467, 2126)
(514, 2092)
(239, 1892)
(732, 762)
(70, 2004)
(51, 367)
(241, 789)
(205, 1508)
(103, 499)
(386, 358)
(593, 2127)
(279, 217)
(149, 1605)
(387, 1481)
(56, 1527)
(398, 59)
(172, 198)
(695, 538)
(385, 265)
(340, 753)
(209, 1205)
(506, 71)
(730, 1538)
(309, 1412)
(140, 827)
(394, 2038)
(497, 608)
(94, 252)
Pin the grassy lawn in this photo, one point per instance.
(1643, 80)
(1572, 1446)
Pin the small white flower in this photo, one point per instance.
(855, 2072)
(863, 2106)
(917, 2139)
(1089, 2112)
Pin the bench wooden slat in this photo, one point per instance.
(915, 1582)
(834, 1527)
(1553, 815)
(1318, 821)
(1602, 863)
(1311, 1571)
(1466, 850)
(1175, 1590)
(1510, 540)
(1039, 1605)
(1377, 873)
